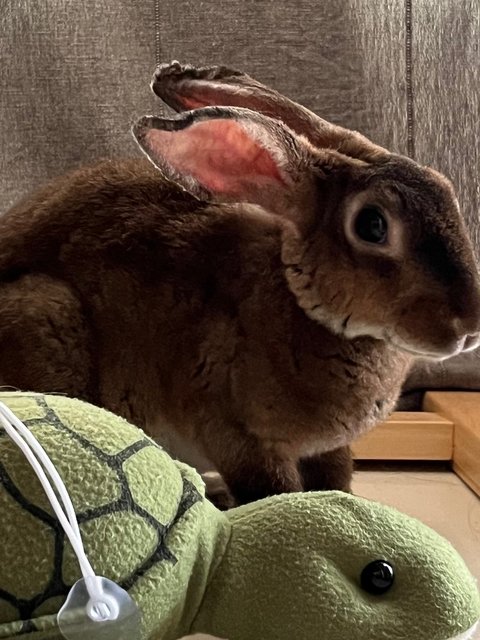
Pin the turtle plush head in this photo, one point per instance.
(312, 566)
(330, 566)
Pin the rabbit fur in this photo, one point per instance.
(218, 293)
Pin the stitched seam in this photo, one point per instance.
(156, 20)
(409, 80)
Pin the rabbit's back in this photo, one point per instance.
(155, 277)
(102, 199)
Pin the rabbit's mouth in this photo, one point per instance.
(464, 344)
(354, 330)
(418, 353)
(351, 329)
(423, 353)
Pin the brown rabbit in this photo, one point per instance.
(258, 294)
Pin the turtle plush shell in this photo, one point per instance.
(129, 497)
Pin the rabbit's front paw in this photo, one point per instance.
(217, 491)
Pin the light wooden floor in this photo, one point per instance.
(438, 498)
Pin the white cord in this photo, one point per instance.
(37, 457)
(42, 456)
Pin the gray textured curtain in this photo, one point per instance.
(406, 73)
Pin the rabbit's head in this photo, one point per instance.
(373, 244)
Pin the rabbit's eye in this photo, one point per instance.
(377, 577)
(370, 225)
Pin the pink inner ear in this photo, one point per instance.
(219, 154)
(192, 103)
(207, 94)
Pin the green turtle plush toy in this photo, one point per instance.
(312, 566)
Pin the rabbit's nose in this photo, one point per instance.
(471, 342)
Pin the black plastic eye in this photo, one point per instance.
(370, 225)
(377, 577)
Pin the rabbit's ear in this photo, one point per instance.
(224, 154)
(184, 87)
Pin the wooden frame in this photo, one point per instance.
(447, 430)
